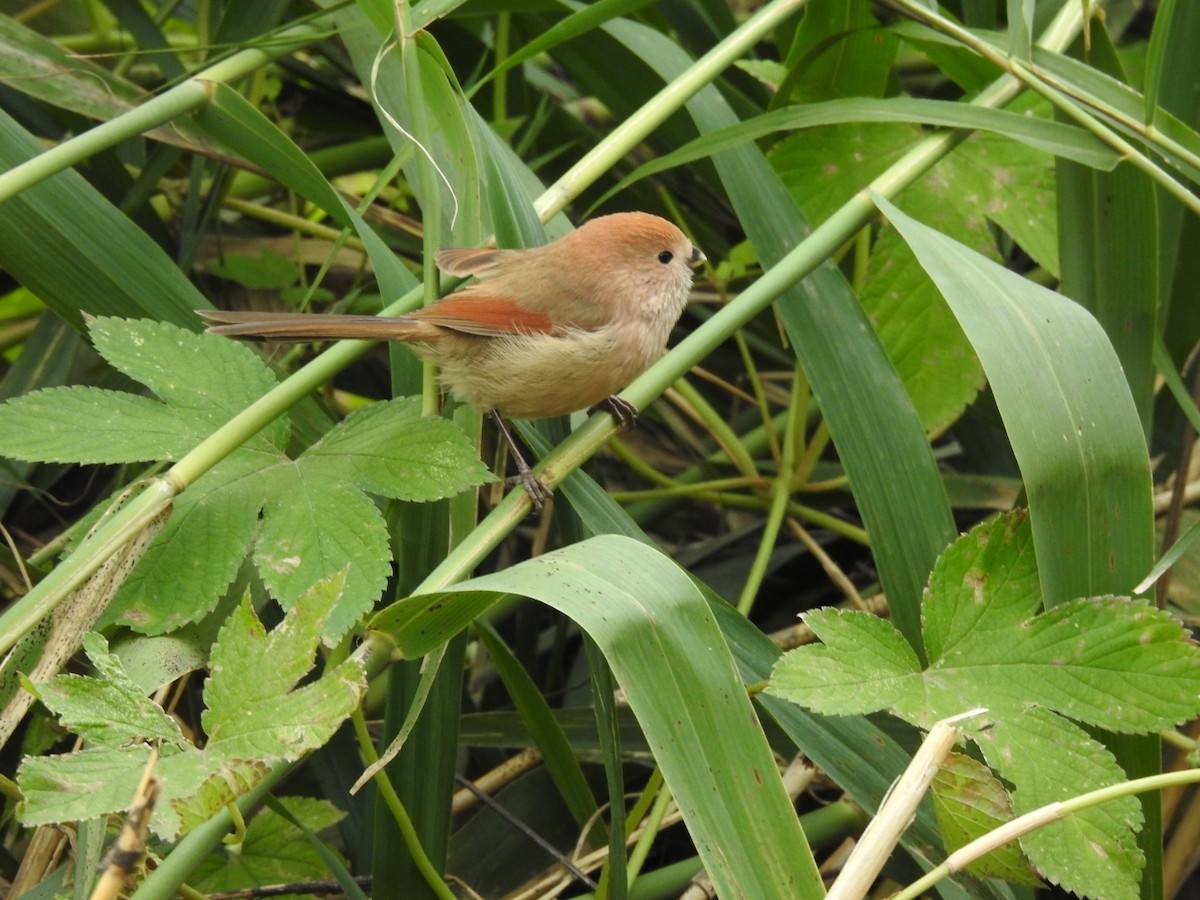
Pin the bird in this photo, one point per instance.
(542, 331)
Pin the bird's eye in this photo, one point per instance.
(665, 257)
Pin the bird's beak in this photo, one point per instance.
(697, 257)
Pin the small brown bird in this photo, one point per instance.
(542, 332)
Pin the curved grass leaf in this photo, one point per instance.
(1080, 445)
(668, 656)
(1056, 138)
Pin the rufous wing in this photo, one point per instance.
(473, 312)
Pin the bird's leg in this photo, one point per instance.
(538, 493)
(624, 412)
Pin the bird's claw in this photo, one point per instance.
(539, 494)
(623, 412)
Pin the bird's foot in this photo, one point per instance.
(623, 412)
(539, 494)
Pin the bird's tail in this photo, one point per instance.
(284, 326)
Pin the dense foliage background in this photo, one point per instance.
(949, 288)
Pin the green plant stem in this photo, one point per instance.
(1059, 97)
(171, 104)
(653, 824)
(672, 490)
(631, 132)
(9, 789)
(760, 395)
(293, 222)
(403, 822)
(808, 462)
(781, 490)
(1039, 818)
(753, 441)
(726, 438)
(124, 525)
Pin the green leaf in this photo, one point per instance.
(392, 450)
(42, 69)
(986, 179)
(1094, 852)
(91, 425)
(970, 801)
(315, 519)
(862, 665)
(202, 787)
(548, 736)
(211, 380)
(261, 716)
(198, 552)
(109, 710)
(668, 655)
(254, 717)
(274, 850)
(1056, 138)
(80, 254)
(1080, 446)
(1110, 252)
(1108, 662)
(839, 50)
(314, 526)
(203, 383)
(267, 271)
(80, 786)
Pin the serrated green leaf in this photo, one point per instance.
(109, 710)
(390, 449)
(1094, 852)
(969, 802)
(1107, 661)
(199, 551)
(863, 665)
(79, 786)
(210, 377)
(92, 425)
(1113, 662)
(273, 852)
(985, 583)
(204, 788)
(315, 526)
(204, 381)
(253, 713)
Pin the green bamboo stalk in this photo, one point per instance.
(169, 105)
(660, 107)
(1071, 102)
